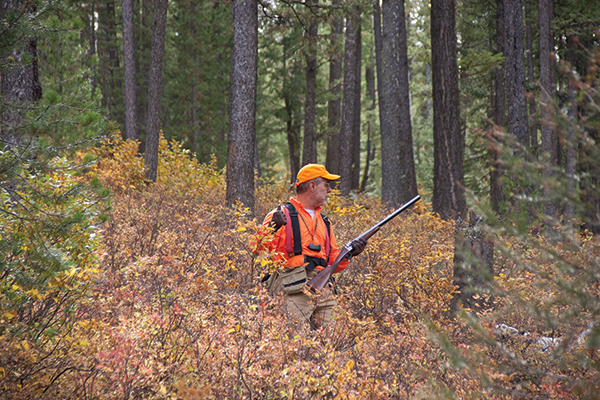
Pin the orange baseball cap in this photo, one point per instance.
(312, 171)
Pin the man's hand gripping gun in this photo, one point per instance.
(317, 283)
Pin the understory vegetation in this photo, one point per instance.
(163, 300)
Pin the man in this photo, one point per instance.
(315, 249)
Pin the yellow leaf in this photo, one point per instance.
(349, 366)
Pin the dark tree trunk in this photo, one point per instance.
(370, 81)
(108, 53)
(88, 40)
(549, 136)
(571, 142)
(20, 85)
(242, 115)
(349, 101)
(292, 123)
(357, 111)
(496, 195)
(143, 49)
(293, 138)
(407, 177)
(397, 162)
(515, 71)
(473, 266)
(131, 128)
(533, 136)
(155, 79)
(332, 161)
(309, 151)
(448, 141)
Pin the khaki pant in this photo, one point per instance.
(314, 309)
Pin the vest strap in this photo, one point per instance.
(293, 238)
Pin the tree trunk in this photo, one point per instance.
(242, 115)
(571, 145)
(332, 161)
(131, 128)
(349, 101)
(407, 177)
(515, 71)
(355, 183)
(309, 151)
(533, 136)
(19, 85)
(155, 79)
(292, 123)
(473, 266)
(143, 50)
(549, 136)
(398, 183)
(108, 53)
(448, 141)
(370, 81)
(496, 195)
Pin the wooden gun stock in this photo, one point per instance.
(317, 283)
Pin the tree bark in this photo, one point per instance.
(332, 161)
(109, 65)
(496, 195)
(370, 81)
(408, 176)
(143, 55)
(571, 145)
(349, 101)
(515, 71)
(155, 79)
(549, 136)
(398, 183)
(19, 85)
(242, 115)
(309, 151)
(448, 179)
(533, 136)
(292, 123)
(473, 266)
(131, 128)
(355, 184)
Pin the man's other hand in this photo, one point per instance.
(358, 245)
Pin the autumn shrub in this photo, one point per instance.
(177, 309)
(541, 337)
(49, 238)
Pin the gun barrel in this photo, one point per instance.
(398, 211)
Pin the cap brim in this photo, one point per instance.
(331, 177)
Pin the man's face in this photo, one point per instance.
(322, 192)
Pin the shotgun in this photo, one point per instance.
(317, 283)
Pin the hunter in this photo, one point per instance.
(307, 244)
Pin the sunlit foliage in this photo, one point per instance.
(175, 308)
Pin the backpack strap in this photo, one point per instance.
(293, 239)
(292, 230)
(327, 242)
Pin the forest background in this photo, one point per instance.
(143, 141)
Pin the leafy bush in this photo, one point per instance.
(177, 310)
